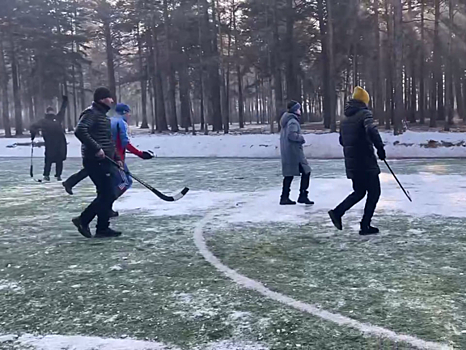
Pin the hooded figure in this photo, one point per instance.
(294, 163)
(54, 138)
(358, 136)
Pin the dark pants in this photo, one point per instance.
(287, 180)
(76, 178)
(48, 168)
(363, 184)
(101, 175)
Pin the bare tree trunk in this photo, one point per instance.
(277, 63)
(436, 104)
(214, 75)
(143, 80)
(170, 71)
(449, 70)
(398, 52)
(331, 86)
(459, 93)
(325, 63)
(110, 57)
(291, 74)
(81, 87)
(378, 105)
(4, 87)
(389, 69)
(422, 92)
(158, 83)
(16, 92)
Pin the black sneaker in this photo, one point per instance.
(84, 230)
(107, 233)
(114, 214)
(58, 178)
(286, 201)
(336, 220)
(68, 189)
(304, 199)
(368, 230)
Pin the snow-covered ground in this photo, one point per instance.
(319, 146)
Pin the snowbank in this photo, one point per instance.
(324, 146)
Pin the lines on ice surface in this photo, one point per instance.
(337, 318)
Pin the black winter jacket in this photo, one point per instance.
(94, 132)
(358, 136)
(53, 134)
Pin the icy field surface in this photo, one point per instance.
(152, 288)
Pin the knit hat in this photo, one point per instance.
(362, 95)
(293, 106)
(122, 108)
(101, 93)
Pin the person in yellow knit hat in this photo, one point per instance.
(358, 136)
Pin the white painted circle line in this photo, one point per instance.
(339, 319)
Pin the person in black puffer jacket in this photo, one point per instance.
(358, 136)
(94, 132)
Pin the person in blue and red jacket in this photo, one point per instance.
(120, 136)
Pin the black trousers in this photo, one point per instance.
(76, 178)
(100, 173)
(48, 167)
(362, 184)
(287, 180)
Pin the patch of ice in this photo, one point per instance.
(432, 195)
(116, 268)
(7, 285)
(8, 338)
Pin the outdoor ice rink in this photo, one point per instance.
(227, 268)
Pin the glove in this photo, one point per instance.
(381, 154)
(33, 136)
(147, 155)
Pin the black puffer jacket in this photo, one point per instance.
(94, 132)
(358, 136)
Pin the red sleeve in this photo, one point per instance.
(134, 150)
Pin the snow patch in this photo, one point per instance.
(323, 146)
(9, 286)
(77, 342)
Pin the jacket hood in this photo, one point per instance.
(287, 117)
(353, 107)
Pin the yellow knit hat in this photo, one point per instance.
(361, 95)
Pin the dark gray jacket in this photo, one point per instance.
(291, 146)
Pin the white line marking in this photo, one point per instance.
(301, 306)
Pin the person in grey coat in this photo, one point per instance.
(294, 163)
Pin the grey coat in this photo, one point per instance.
(291, 146)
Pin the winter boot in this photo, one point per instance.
(67, 187)
(286, 201)
(336, 220)
(46, 179)
(368, 230)
(58, 178)
(114, 214)
(304, 199)
(83, 229)
(107, 233)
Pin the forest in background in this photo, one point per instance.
(204, 64)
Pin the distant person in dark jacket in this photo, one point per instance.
(358, 136)
(54, 138)
(95, 134)
(294, 163)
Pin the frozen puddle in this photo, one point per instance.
(77, 342)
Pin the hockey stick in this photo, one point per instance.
(399, 183)
(31, 168)
(159, 194)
